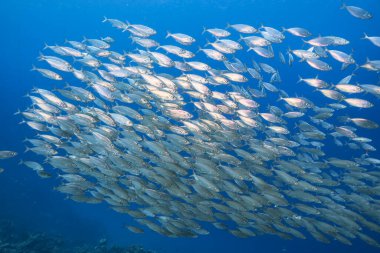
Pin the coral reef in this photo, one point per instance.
(14, 240)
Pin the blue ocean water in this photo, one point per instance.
(28, 24)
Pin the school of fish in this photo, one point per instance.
(180, 139)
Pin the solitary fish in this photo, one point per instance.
(314, 82)
(341, 56)
(349, 88)
(5, 154)
(318, 64)
(181, 38)
(135, 230)
(358, 102)
(357, 12)
(365, 123)
(298, 102)
(241, 28)
(298, 31)
(374, 39)
(48, 73)
(217, 32)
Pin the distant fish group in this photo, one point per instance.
(175, 138)
(6, 154)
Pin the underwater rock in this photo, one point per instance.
(17, 240)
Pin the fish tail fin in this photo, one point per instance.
(204, 30)
(289, 50)
(343, 119)
(105, 19)
(311, 49)
(46, 46)
(250, 49)
(365, 36)
(84, 39)
(132, 38)
(21, 162)
(332, 86)
(343, 6)
(283, 29)
(315, 90)
(18, 112)
(54, 88)
(168, 34)
(25, 140)
(75, 59)
(207, 43)
(22, 122)
(199, 49)
(26, 149)
(127, 26)
(300, 79)
(33, 68)
(40, 56)
(270, 48)
(240, 37)
(35, 89)
(357, 66)
(228, 25)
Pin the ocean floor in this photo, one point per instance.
(15, 240)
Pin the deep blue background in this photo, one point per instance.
(27, 24)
